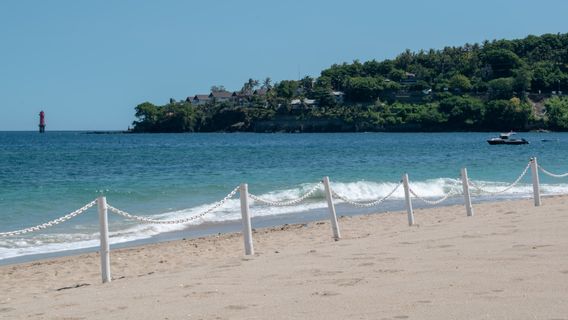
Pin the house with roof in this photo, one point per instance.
(220, 96)
(298, 103)
(409, 79)
(240, 98)
(338, 95)
(200, 99)
(261, 92)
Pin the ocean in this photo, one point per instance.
(175, 176)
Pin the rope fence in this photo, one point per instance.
(330, 193)
(366, 204)
(509, 187)
(289, 202)
(449, 194)
(50, 223)
(177, 221)
(548, 173)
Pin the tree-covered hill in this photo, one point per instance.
(498, 85)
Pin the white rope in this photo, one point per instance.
(50, 223)
(177, 221)
(564, 175)
(507, 188)
(288, 202)
(366, 204)
(434, 202)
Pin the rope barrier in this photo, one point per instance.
(50, 223)
(177, 221)
(366, 204)
(434, 202)
(472, 184)
(564, 175)
(286, 203)
(302, 198)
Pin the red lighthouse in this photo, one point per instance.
(41, 122)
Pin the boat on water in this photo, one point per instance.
(505, 138)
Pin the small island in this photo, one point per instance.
(500, 85)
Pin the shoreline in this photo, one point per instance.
(235, 226)
(508, 261)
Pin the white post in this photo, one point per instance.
(536, 182)
(466, 195)
(408, 200)
(331, 206)
(247, 228)
(105, 247)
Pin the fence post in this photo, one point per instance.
(408, 200)
(105, 247)
(466, 195)
(331, 206)
(247, 228)
(535, 181)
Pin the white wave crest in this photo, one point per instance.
(123, 231)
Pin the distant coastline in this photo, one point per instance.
(501, 85)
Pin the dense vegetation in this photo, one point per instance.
(498, 85)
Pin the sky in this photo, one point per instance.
(87, 64)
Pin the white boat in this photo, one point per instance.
(505, 138)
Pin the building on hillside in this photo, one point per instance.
(339, 96)
(220, 96)
(409, 79)
(261, 92)
(240, 98)
(201, 99)
(298, 103)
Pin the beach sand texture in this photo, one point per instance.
(509, 261)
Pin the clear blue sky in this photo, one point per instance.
(89, 63)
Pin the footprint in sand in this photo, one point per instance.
(325, 293)
(366, 264)
(348, 282)
(236, 307)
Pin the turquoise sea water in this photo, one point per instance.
(166, 176)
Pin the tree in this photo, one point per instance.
(507, 115)
(463, 112)
(267, 83)
(148, 116)
(557, 113)
(306, 85)
(362, 89)
(460, 83)
(219, 88)
(502, 62)
(249, 86)
(286, 89)
(546, 76)
(522, 78)
(177, 118)
(501, 88)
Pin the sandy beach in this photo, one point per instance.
(509, 261)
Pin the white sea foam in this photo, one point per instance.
(230, 211)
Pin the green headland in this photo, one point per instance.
(498, 85)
